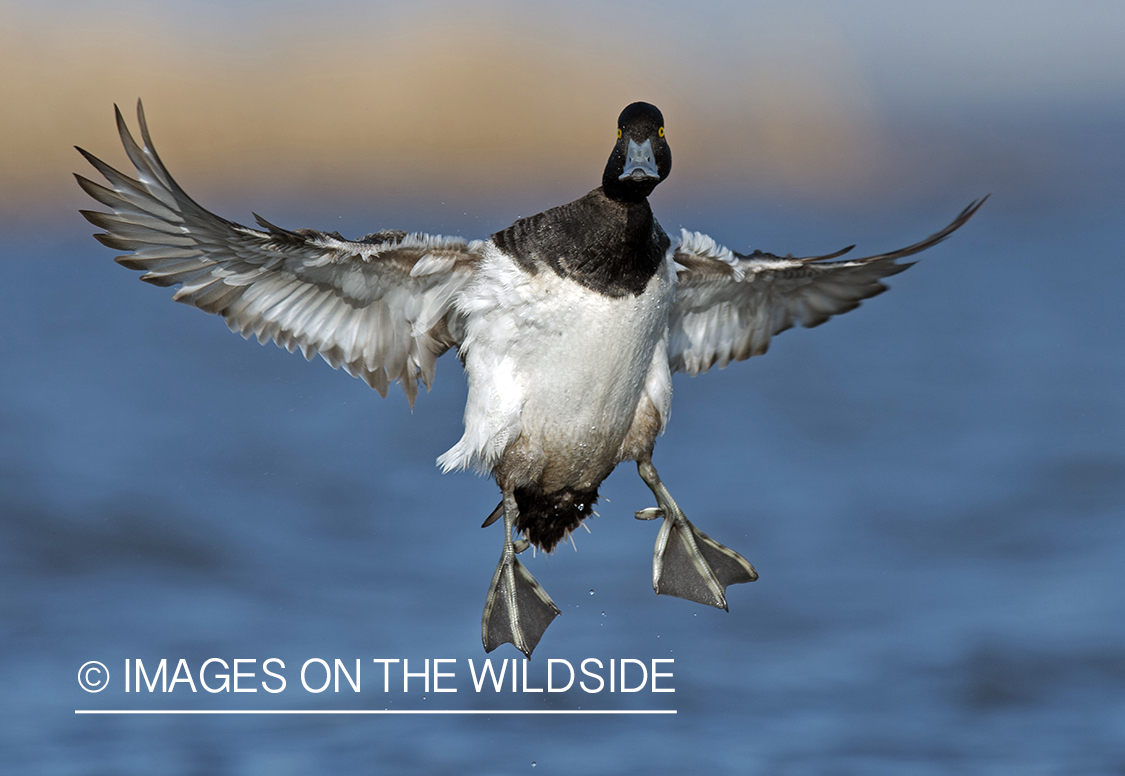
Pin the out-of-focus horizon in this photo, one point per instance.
(820, 102)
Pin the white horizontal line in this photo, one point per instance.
(373, 711)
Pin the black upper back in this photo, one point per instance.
(611, 247)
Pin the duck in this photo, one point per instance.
(569, 324)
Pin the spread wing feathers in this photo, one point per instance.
(728, 305)
(380, 307)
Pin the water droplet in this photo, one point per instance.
(591, 591)
(533, 763)
(603, 614)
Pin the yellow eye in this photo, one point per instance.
(619, 133)
(660, 131)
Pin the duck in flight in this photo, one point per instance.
(569, 323)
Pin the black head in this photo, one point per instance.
(641, 158)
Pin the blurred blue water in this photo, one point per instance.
(932, 488)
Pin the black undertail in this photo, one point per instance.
(548, 518)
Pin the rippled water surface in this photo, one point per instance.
(932, 488)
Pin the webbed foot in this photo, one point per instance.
(687, 563)
(518, 609)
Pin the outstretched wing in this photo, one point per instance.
(729, 305)
(380, 307)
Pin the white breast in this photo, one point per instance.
(556, 362)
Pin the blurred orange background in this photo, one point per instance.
(463, 97)
(822, 102)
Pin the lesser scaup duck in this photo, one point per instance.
(569, 323)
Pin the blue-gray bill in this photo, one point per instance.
(640, 162)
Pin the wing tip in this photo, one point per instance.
(827, 256)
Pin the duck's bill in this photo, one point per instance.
(640, 163)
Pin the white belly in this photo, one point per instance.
(557, 366)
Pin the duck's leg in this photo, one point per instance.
(686, 562)
(518, 609)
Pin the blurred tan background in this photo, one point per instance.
(801, 99)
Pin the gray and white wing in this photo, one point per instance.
(381, 307)
(728, 305)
